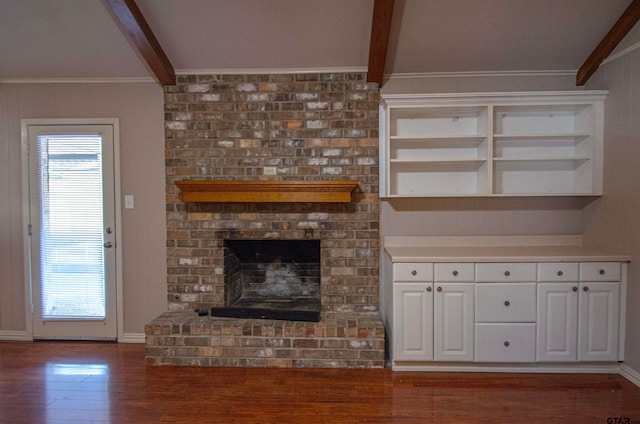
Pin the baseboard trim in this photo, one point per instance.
(132, 338)
(23, 336)
(16, 336)
(507, 368)
(630, 374)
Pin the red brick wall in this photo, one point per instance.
(307, 127)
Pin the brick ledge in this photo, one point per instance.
(338, 340)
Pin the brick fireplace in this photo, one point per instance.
(271, 279)
(282, 127)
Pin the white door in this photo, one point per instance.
(453, 316)
(413, 321)
(557, 331)
(598, 321)
(72, 227)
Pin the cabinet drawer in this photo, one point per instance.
(501, 302)
(413, 272)
(600, 271)
(558, 271)
(500, 272)
(505, 342)
(452, 272)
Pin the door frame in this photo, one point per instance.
(26, 212)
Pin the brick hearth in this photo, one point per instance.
(303, 127)
(337, 341)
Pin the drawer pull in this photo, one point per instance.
(585, 288)
(507, 303)
(414, 272)
(507, 273)
(429, 289)
(506, 344)
(575, 289)
(439, 289)
(455, 273)
(601, 272)
(560, 273)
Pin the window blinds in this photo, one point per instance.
(72, 271)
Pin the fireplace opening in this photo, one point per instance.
(271, 279)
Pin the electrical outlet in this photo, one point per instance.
(269, 170)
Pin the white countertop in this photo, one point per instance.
(496, 249)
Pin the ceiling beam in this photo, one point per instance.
(619, 30)
(379, 43)
(140, 34)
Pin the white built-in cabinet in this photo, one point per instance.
(519, 312)
(492, 144)
(578, 319)
(453, 312)
(413, 290)
(505, 312)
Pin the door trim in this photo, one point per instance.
(115, 123)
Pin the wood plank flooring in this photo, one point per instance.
(89, 382)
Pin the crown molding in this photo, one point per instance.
(259, 71)
(115, 80)
(484, 74)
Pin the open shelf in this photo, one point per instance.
(502, 144)
(543, 176)
(431, 178)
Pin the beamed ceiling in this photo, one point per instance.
(106, 39)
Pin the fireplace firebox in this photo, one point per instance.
(271, 279)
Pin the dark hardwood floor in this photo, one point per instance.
(78, 382)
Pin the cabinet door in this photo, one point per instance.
(412, 321)
(453, 322)
(598, 321)
(557, 332)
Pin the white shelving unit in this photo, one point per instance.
(492, 144)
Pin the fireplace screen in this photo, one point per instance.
(271, 279)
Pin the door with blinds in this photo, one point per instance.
(72, 230)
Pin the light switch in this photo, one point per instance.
(128, 201)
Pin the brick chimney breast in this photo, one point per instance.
(287, 127)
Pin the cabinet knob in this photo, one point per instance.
(506, 343)
(429, 289)
(560, 273)
(601, 272)
(507, 303)
(455, 273)
(507, 273)
(414, 272)
(585, 288)
(439, 289)
(575, 289)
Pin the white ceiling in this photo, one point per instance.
(54, 39)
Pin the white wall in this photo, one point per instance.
(614, 220)
(139, 106)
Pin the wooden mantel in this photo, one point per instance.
(267, 191)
